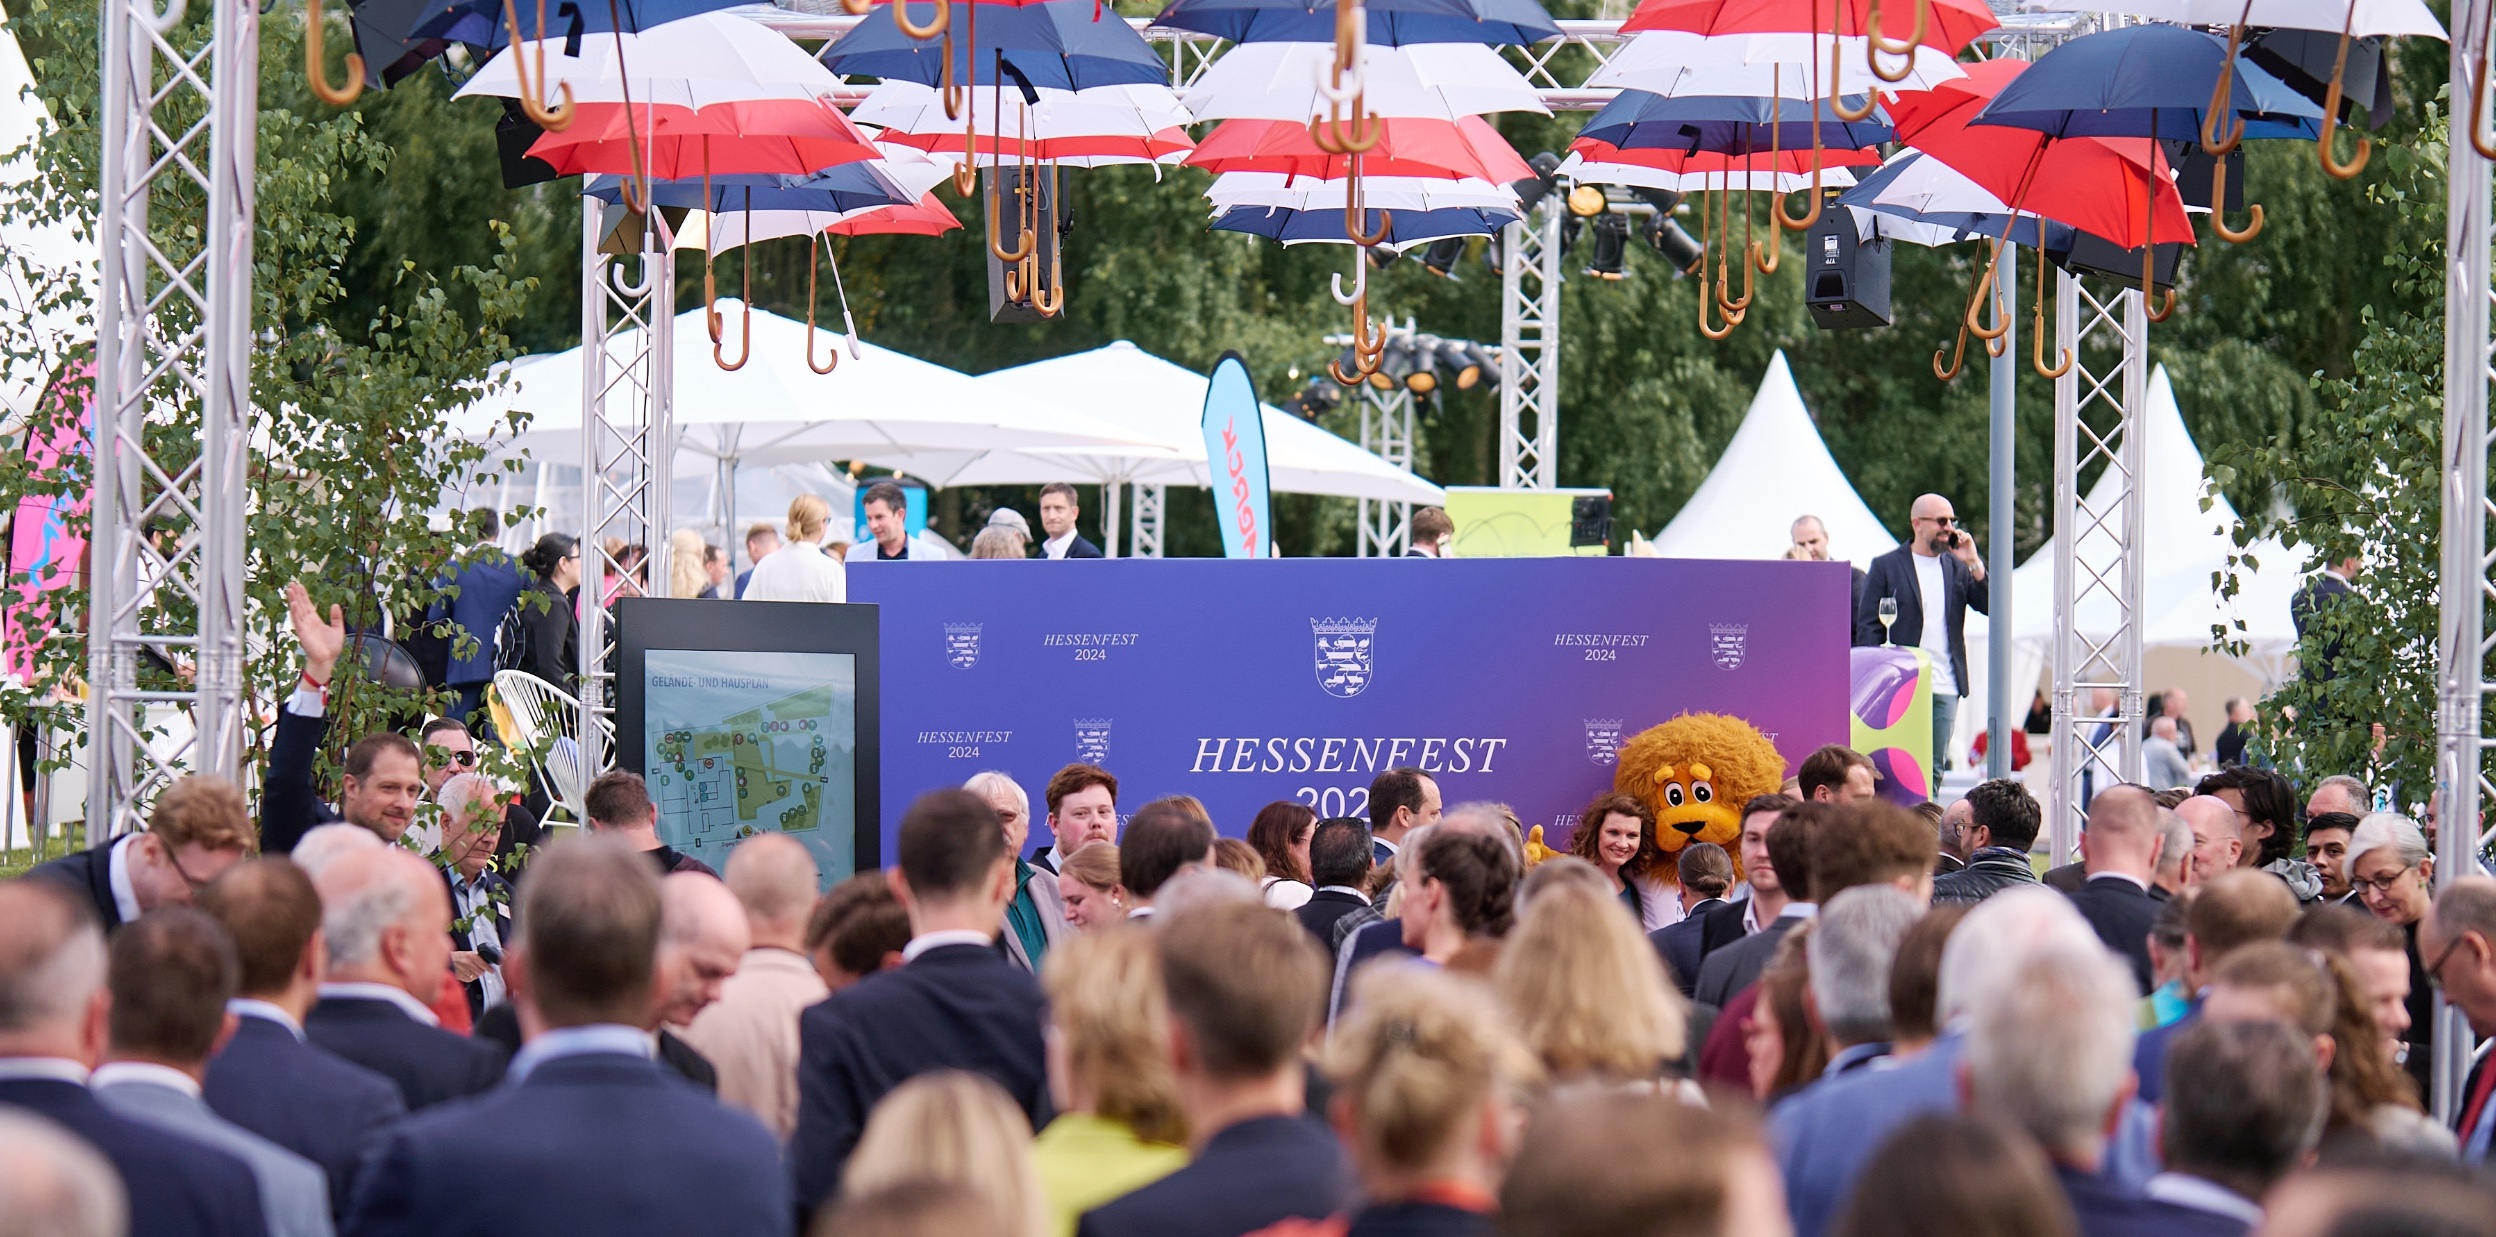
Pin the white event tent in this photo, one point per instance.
(1163, 402)
(29, 252)
(1775, 470)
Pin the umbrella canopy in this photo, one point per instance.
(2362, 18)
(1582, 167)
(1790, 66)
(1952, 26)
(1407, 146)
(1735, 125)
(842, 191)
(479, 23)
(1145, 395)
(1394, 23)
(880, 406)
(1760, 163)
(1916, 188)
(1279, 81)
(1105, 124)
(926, 217)
(1402, 193)
(2148, 80)
(787, 137)
(694, 63)
(1057, 45)
(2094, 184)
(1404, 228)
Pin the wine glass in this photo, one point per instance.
(1889, 615)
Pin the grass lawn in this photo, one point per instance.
(16, 862)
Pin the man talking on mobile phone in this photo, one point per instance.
(1935, 578)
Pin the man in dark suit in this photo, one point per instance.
(384, 775)
(1058, 510)
(1736, 966)
(1245, 991)
(1685, 946)
(1400, 801)
(1083, 809)
(1339, 860)
(2459, 934)
(198, 829)
(955, 1002)
(52, 1022)
(2335, 583)
(590, 1136)
(1935, 579)
(387, 920)
(1430, 530)
(2247, 1122)
(267, 1078)
(619, 807)
(2120, 849)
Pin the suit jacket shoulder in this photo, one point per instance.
(302, 1097)
(88, 875)
(1254, 1174)
(1082, 547)
(1736, 966)
(289, 806)
(430, 1065)
(542, 1158)
(176, 1187)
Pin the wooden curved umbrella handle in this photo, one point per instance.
(934, 27)
(1977, 296)
(2218, 208)
(2221, 115)
(316, 74)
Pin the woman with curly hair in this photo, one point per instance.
(1616, 833)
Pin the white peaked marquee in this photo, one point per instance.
(1774, 470)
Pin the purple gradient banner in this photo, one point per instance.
(1246, 682)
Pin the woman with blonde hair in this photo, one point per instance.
(1587, 992)
(956, 1127)
(1091, 889)
(1429, 1083)
(685, 577)
(800, 570)
(1117, 1128)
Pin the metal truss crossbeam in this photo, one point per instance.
(173, 401)
(628, 328)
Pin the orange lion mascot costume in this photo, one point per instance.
(1695, 772)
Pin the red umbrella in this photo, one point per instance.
(2094, 184)
(1945, 24)
(925, 217)
(1792, 162)
(1407, 146)
(789, 137)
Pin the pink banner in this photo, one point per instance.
(45, 553)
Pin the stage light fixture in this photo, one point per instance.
(1530, 190)
(1319, 397)
(1441, 257)
(1611, 246)
(1665, 234)
(1586, 201)
(1381, 257)
(1455, 356)
(1421, 359)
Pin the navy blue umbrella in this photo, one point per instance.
(1405, 228)
(1726, 124)
(479, 23)
(1054, 46)
(1392, 23)
(2151, 80)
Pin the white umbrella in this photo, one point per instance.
(1129, 110)
(1679, 64)
(1377, 192)
(2369, 18)
(879, 406)
(1279, 81)
(1579, 167)
(693, 62)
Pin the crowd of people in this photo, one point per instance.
(1858, 1020)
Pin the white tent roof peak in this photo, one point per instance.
(1774, 471)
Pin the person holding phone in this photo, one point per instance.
(1930, 583)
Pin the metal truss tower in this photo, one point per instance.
(1386, 528)
(628, 441)
(2100, 575)
(1144, 522)
(2464, 581)
(1529, 349)
(173, 402)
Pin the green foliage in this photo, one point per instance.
(2363, 479)
(349, 383)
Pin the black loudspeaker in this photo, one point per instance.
(1590, 520)
(1030, 289)
(1845, 278)
(2102, 259)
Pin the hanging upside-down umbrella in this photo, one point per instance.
(399, 35)
(2309, 27)
(1057, 45)
(926, 217)
(1637, 120)
(1919, 199)
(1397, 230)
(1673, 63)
(1392, 23)
(1407, 146)
(1085, 128)
(1786, 172)
(1945, 26)
(1286, 81)
(693, 63)
(788, 137)
(1397, 193)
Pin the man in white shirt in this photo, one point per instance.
(888, 528)
(1058, 510)
(1934, 579)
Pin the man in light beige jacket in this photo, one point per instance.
(750, 1033)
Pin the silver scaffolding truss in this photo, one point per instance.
(1386, 528)
(2464, 581)
(2098, 549)
(1144, 522)
(628, 446)
(173, 344)
(1529, 349)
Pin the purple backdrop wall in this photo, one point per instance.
(1246, 682)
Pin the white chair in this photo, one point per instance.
(543, 719)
